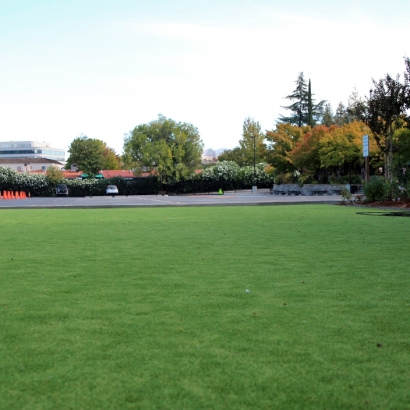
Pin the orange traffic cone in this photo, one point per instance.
(23, 195)
(7, 195)
(17, 195)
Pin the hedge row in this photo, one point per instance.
(38, 185)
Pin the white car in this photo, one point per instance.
(112, 190)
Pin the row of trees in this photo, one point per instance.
(315, 142)
(172, 150)
(311, 141)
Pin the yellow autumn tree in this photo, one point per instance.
(341, 145)
(281, 142)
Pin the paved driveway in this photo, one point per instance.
(229, 198)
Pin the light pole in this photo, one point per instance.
(254, 187)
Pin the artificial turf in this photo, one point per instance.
(284, 307)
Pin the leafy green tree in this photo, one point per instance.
(350, 111)
(170, 149)
(236, 155)
(341, 116)
(327, 118)
(110, 159)
(407, 90)
(383, 112)
(54, 176)
(252, 142)
(310, 106)
(299, 106)
(401, 139)
(304, 110)
(87, 153)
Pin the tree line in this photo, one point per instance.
(311, 143)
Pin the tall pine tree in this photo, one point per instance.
(327, 117)
(298, 108)
(304, 110)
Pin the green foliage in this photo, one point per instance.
(286, 178)
(304, 110)
(341, 117)
(280, 179)
(7, 175)
(346, 195)
(307, 177)
(383, 112)
(252, 147)
(88, 154)
(376, 189)
(252, 142)
(110, 159)
(327, 118)
(236, 155)
(39, 185)
(345, 179)
(401, 142)
(222, 171)
(54, 176)
(35, 184)
(170, 149)
(229, 171)
(261, 177)
(95, 187)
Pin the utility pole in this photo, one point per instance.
(254, 187)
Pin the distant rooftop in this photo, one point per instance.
(28, 160)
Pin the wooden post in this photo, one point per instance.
(366, 159)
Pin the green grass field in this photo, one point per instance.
(148, 308)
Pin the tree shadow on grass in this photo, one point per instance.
(401, 213)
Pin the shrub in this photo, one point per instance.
(248, 174)
(377, 189)
(227, 171)
(346, 195)
(36, 185)
(54, 176)
(287, 178)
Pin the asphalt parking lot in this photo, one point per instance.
(241, 198)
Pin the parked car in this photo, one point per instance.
(62, 189)
(112, 190)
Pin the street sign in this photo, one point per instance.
(365, 145)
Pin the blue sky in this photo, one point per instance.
(102, 67)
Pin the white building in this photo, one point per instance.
(31, 149)
(30, 164)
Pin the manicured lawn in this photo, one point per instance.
(149, 308)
